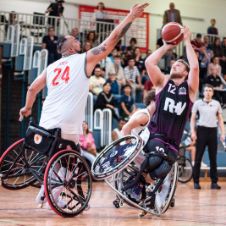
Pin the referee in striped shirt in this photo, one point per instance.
(210, 117)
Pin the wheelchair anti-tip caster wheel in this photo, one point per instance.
(142, 214)
(116, 204)
(172, 203)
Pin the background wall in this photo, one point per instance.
(195, 14)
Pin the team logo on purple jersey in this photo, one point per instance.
(182, 91)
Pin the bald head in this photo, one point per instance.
(68, 45)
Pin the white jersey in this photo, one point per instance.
(68, 88)
(142, 130)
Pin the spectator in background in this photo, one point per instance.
(49, 42)
(197, 43)
(212, 30)
(215, 63)
(96, 81)
(87, 46)
(210, 116)
(216, 47)
(115, 88)
(159, 42)
(56, 10)
(12, 18)
(132, 75)
(217, 82)
(100, 14)
(132, 46)
(116, 133)
(86, 140)
(223, 59)
(92, 38)
(139, 61)
(75, 32)
(105, 99)
(117, 69)
(172, 15)
(127, 107)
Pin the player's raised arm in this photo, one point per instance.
(100, 52)
(193, 76)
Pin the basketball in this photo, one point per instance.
(172, 33)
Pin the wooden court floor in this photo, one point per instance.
(193, 208)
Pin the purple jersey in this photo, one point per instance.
(173, 107)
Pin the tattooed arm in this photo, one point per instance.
(100, 52)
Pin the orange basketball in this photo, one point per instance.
(172, 33)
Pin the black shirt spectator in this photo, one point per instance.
(212, 30)
(55, 9)
(49, 42)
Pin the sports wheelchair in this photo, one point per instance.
(44, 157)
(119, 163)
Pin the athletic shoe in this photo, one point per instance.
(215, 186)
(197, 186)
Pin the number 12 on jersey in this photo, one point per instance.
(61, 75)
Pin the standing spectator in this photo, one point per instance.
(210, 113)
(127, 107)
(116, 133)
(96, 81)
(105, 99)
(212, 30)
(100, 14)
(55, 10)
(49, 42)
(139, 60)
(172, 15)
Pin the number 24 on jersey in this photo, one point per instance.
(61, 75)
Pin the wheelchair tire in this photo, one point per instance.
(17, 164)
(68, 173)
(185, 169)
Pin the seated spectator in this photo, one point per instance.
(132, 45)
(216, 47)
(49, 42)
(117, 69)
(218, 83)
(75, 32)
(197, 43)
(92, 38)
(116, 133)
(212, 30)
(96, 81)
(115, 88)
(86, 140)
(132, 75)
(139, 60)
(87, 46)
(127, 106)
(223, 59)
(159, 43)
(105, 99)
(215, 63)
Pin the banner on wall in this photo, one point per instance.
(138, 30)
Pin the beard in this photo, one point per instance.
(176, 75)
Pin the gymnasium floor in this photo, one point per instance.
(193, 208)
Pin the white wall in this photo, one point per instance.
(191, 11)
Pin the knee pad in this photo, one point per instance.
(154, 161)
(161, 171)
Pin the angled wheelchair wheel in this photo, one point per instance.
(68, 183)
(116, 156)
(185, 170)
(166, 192)
(18, 163)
